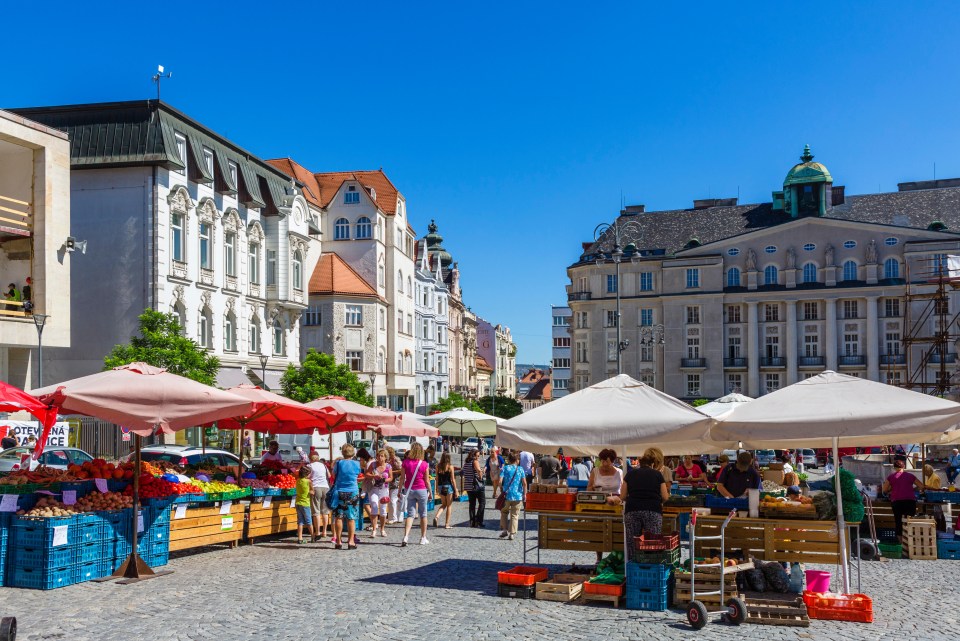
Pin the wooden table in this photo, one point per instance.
(276, 519)
(783, 540)
(207, 525)
(578, 531)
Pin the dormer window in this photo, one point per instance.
(352, 196)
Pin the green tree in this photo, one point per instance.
(700, 401)
(504, 407)
(454, 400)
(319, 375)
(161, 343)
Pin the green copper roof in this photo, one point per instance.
(807, 171)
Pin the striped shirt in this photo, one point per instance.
(470, 477)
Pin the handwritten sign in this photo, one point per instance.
(267, 502)
(180, 512)
(101, 485)
(226, 523)
(225, 507)
(69, 497)
(293, 501)
(60, 535)
(9, 503)
(140, 527)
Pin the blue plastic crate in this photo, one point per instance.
(38, 532)
(122, 548)
(942, 497)
(86, 552)
(88, 570)
(577, 485)
(156, 559)
(948, 550)
(651, 599)
(648, 575)
(273, 491)
(721, 503)
(114, 524)
(117, 485)
(82, 488)
(45, 557)
(37, 579)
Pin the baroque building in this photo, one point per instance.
(433, 335)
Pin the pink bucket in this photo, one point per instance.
(818, 581)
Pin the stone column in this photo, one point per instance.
(873, 344)
(753, 354)
(831, 334)
(791, 342)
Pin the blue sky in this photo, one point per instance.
(518, 126)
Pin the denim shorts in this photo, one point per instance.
(304, 515)
(417, 504)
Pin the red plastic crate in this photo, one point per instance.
(656, 542)
(551, 502)
(603, 588)
(523, 575)
(857, 608)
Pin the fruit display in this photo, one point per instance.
(107, 502)
(154, 487)
(254, 483)
(215, 487)
(100, 469)
(282, 481)
(49, 507)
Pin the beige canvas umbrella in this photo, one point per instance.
(464, 422)
(346, 416)
(148, 400)
(410, 425)
(724, 404)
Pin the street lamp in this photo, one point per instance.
(617, 256)
(373, 379)
(652, 335)
(40, 320)
(263, 370)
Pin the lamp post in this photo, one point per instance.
(652, 335)
(40, 320)
(263, 370)
(616, 255)
(373, 379)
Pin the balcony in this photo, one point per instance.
(696, 363)
(578, 296)
(735, 363)
(854, 360)
(893, 359)
(811, 361)
(947, 358)
(773, 361)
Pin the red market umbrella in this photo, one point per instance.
(148, 400)
(13, 399)
(346, 416)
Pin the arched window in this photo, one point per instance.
(297, 270)
(230, 333)
(850, 270)
(733, 277)
(400, 282)
(891, 268)
(409, 287)
(277, 338)
(181, 313)
(810, 273)
(770, 275)
(254, 335)
(408, 363)
(380, 361)
(364, 228)
(341, 229)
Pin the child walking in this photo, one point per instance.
(304, 514)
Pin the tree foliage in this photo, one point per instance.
(161, 343)
(700, 401)
(320, 375)
(504, 407)
(453, 400)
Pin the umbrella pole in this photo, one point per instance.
(841, 522)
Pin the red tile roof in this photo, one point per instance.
(323, 187)
(542, 390)
(311, 188)
(532, 376)
(483, 364)
(333, 275)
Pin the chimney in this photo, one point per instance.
(633, 210)
(837, 195)
(706, 203)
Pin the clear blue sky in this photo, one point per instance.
(518, 126)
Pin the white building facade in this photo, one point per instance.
(562, 351)
(431, 320)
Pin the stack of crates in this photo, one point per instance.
(47, 553)
(153, 539)
(649, 586)
(116, 547)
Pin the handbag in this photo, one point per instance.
(331, 499)
(502, 499)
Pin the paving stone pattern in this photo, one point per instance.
(446, 590)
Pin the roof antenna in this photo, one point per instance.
(157, 77)
(934, 171)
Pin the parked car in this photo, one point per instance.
(470, 444)
(765, 457)
(401, 444)
(58, 457)
(189, 455)
(809, 458)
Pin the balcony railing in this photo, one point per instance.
(947, 358)
(736, 362)
(893, 359)
(578, 296)
(693, 362)
(15, 217)
(810, 361)
(851, 360)
(773, 361)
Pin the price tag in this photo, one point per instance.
(226, 523)
(60, 535)
(140, 527)
(230, 479)
(180, 512)
(101, 485)
(225, 507)
(284, 470)
(69, 497)
(267, 502)
(293, 502)
(9, 503)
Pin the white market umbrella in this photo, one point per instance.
(460, 421)
(829, 407)
(724, 404)
(619, 413)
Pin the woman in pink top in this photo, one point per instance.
(689, 472)
(415, 489)
(900, 486)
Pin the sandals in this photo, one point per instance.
(338, 546)
(436, 523)
(351, 547)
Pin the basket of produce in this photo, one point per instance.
(648, 542)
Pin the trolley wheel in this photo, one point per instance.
(696, 614)
(8, 629)
(736, 611)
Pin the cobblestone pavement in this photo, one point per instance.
(446, 590)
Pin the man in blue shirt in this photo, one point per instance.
(953, 466)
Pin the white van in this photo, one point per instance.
(319, 442)
(402, 443)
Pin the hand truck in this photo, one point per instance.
(735, 612)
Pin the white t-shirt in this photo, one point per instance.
(319, 475)
(787, 468)
(267, 456)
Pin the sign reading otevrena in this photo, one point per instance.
(25, 429)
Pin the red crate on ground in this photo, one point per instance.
(656, 542)
(857, 608)
(603, 588)
(551, 502)
(523, 575)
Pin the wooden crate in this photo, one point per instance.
(602, 598)
(603, 508)
(781, 511)
(579, 531)
(786, 610)
(562, 587)
(706, 582)
(276, 519)
(919, 539)
(206, 526)
(773, 539)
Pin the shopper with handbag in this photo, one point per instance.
(415, 481)
(473, 485)
(511, 496)
(378, 496)
(395, 467)
(344, 498)
(447, 487)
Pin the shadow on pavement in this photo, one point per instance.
(467, 575)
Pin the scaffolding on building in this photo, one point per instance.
(929, 329)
